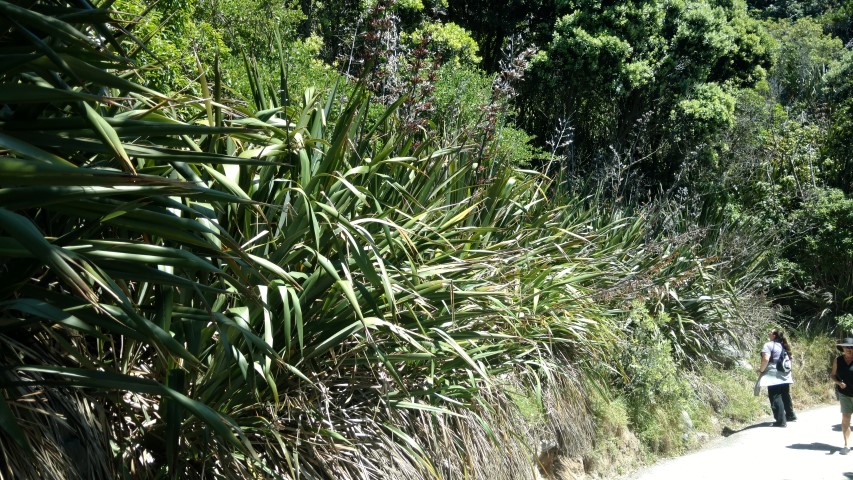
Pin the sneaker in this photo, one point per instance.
(780, 424)
(792, 418)
(845, 451)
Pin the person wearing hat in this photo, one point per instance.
(842, 377)
(778, 383)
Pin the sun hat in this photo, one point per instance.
(846, 342)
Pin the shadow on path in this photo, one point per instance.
(727, 432)
(820, 447)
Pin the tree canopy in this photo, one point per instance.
(648, 81)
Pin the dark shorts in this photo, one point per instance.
(846, 403)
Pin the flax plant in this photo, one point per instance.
(249, 288)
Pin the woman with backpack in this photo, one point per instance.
(775, 374)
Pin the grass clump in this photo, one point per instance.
(812, 363)
(656, 391)
(725, 396)
(616, 449)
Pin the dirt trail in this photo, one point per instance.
(808, 449)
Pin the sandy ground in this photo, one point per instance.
(808, 449)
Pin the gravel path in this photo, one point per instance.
(808, 449)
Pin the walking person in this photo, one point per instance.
(778, 382)
(842, 377)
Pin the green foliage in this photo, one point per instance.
(652, 376)
(459, 96)
(776, 173)
(814, 353)
(794, 9)
(448, 42)
(630, 77)
(186, 39)
(773, 161)
(802, 54)
(839, 84)
(707, 110)
(726, 394)
(120, 263)
(249, 25)
(463, 101)
(773, 165)
(616, 448)
(840, 20)
(654, 386)
(419, 8)
(494, 25)
(844, 325)
(174, 43)
(530, 406)
(514, 146)
(610, 411)
(416, 5)
(825, 252)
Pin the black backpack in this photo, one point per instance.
(784, 363)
